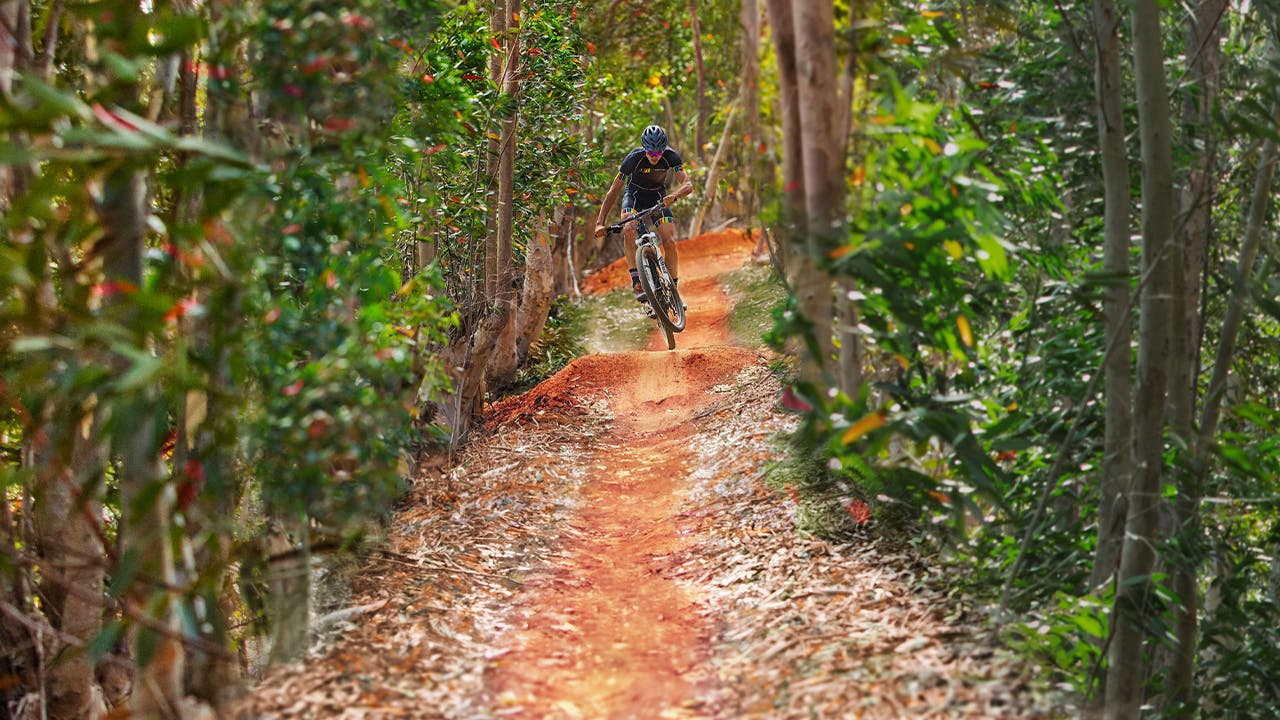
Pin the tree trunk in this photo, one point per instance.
(849, 106)
(502, 366)
(700, 125)
(1127, 666)
(823, 161)
(1117, 462)
(793, 190)
(536, 295)
(465, 360)
(749, 166)
(146, 505)
(1204, 61)
(498, 16)
(68, 544)
(713, 175)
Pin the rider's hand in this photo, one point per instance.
(669, 200)
(600, 231)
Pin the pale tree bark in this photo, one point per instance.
(502, 365)
(824, 189)
(465, 360)
(793, 190)
(498, 15)
(63, 449)
(67, 541)
(536, 293)
(146, 504)
(700, 123)
(1117, 461)
(1127, 665)
(849, 106)
(1204, 59)
(749, 166)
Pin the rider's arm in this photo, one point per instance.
(684, 186)
(609, 199)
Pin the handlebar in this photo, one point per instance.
(617, 227)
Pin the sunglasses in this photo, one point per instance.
(653, 154)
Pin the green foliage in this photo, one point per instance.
(928, 254)
(757, 295)
(274, 332)
(444, 160)
(616, 323)
(1067, 635)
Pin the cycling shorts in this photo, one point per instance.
(641, 199)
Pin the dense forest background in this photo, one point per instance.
(261, 259)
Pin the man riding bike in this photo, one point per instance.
(646, 172)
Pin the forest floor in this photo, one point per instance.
(609, 549)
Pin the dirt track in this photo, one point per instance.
(603, 633)
(609, 549)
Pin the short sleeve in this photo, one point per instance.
(674, 161)
(628, 166)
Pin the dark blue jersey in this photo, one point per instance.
(646, 176)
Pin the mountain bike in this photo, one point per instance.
(661, 295)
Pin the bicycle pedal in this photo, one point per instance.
(648, 310)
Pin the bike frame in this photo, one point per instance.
(660, 292)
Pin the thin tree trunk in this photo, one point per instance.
(145, 512)
(69, 545)
(713, 174)
(1204, 60)
(700, 125)
(824, 189)
(498, 16)
(750, 163)
(1117, 462)
(1256, 223)
(503, 363)
(1127, 665)
(793, 190)
(850, 106)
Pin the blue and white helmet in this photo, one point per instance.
(653, 139)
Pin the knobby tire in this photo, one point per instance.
(661, 294)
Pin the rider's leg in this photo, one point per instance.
(629, 254)
(667, 233)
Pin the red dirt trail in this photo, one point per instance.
(603, 632)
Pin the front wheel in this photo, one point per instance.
(661, 293)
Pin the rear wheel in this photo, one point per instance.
(660, 291)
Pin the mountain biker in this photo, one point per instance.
(646, 173)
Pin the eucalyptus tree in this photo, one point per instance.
(201, 336)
